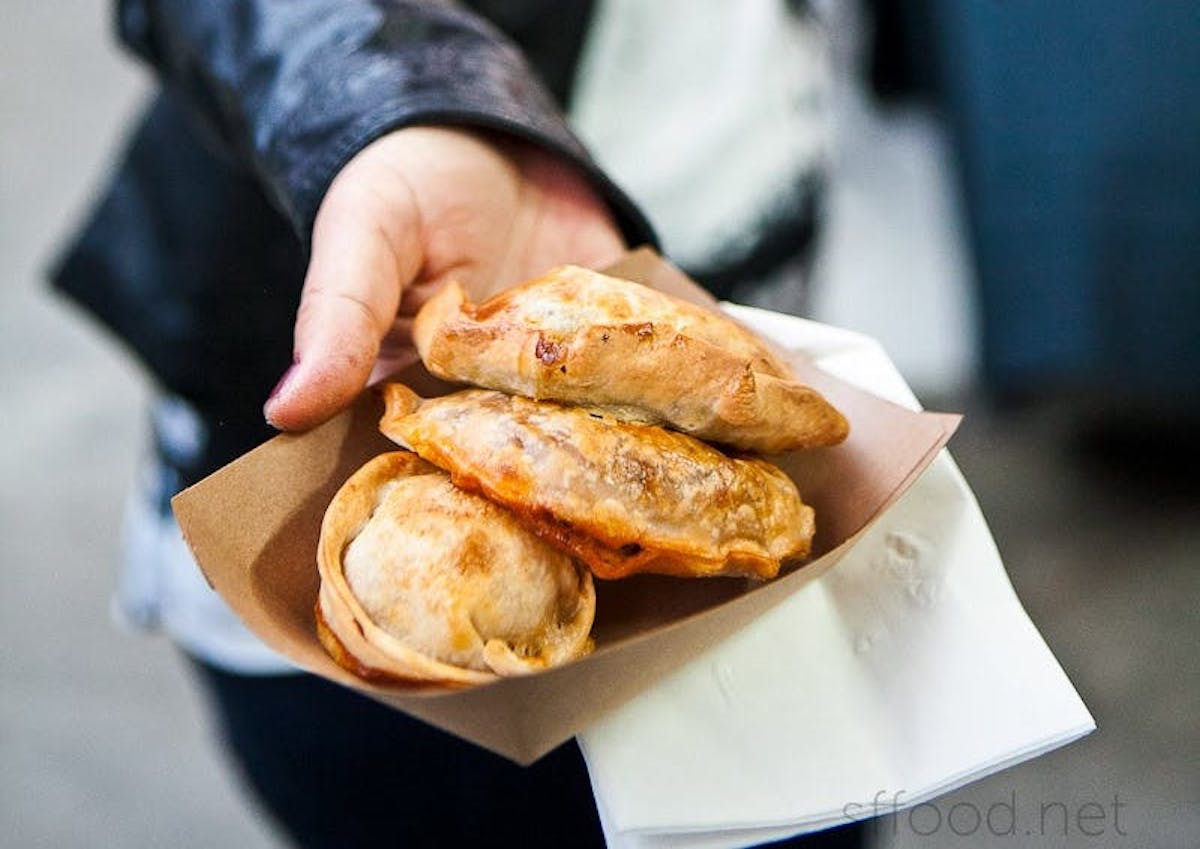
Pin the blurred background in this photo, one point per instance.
(1014, 210)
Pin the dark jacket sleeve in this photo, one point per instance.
(293, 90)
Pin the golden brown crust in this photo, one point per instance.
(342, 656)
(581, 337)
(623, 497)
(422, 584)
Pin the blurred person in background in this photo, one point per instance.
(1078, 135)
(308, 173)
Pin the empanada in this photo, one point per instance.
(623, 497)
(422, 583)
(581, 337)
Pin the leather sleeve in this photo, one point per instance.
(294, 89)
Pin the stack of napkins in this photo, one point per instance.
(910, 669)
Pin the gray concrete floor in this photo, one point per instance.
(103, 741)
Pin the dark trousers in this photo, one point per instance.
(337, 770)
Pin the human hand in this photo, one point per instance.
(413, 209)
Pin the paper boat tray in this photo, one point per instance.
(253, 527)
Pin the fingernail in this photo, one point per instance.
(279, 390)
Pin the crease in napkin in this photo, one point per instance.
(909, 667)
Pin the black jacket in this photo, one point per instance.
(195, 255)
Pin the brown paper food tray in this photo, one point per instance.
(253, 527)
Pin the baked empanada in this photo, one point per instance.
(581, 337)
(422, 583)
(622, 497)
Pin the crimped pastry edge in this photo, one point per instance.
(602, 556)
(720, 396)
(343, 625)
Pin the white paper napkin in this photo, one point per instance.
(910, 668)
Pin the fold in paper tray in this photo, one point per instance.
(253, 527)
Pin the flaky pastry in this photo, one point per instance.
(622, 497)
(422, 583)
(581, 337)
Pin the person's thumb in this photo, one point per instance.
(363, 255)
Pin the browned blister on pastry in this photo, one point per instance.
(422, 583)
(623, 497)
(581, 337)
